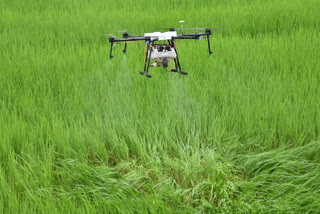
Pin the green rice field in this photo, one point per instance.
(83, 134)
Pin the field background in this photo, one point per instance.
(79, 133)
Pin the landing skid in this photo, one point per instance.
(180, 72)
(145, 74)
(183, 73)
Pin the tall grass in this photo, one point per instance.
(79, 133)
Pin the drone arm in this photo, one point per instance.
(112, 40)
(196, 36)
(187, 36)
(147, 39)
(191, 36)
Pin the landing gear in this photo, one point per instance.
(147, 61)
(145, 74)
(176, 60)
(180, 72)
(183, 73)
(164, 62)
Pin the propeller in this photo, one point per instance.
(196, 28)
(123, 31)
(110, 35)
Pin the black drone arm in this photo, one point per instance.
(196, 36)
(128, 38)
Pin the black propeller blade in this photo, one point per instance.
(196, 28)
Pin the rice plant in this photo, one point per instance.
(82, 134)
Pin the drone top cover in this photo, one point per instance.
(162, 36)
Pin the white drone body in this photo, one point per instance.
(158, 53)
(162, 36)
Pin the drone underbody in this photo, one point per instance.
(161, 54)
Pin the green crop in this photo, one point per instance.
(82, 134)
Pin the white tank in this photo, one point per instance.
(156, 55)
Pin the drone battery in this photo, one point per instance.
(162, 51)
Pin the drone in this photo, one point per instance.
(161, 53)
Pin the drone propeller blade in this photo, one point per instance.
(165, 28)
(196, 28)
(122, 31)
(110, 35)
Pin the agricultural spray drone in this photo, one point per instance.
(161, 53)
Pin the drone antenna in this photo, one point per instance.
(181, 22)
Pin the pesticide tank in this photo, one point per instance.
(161, 51)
